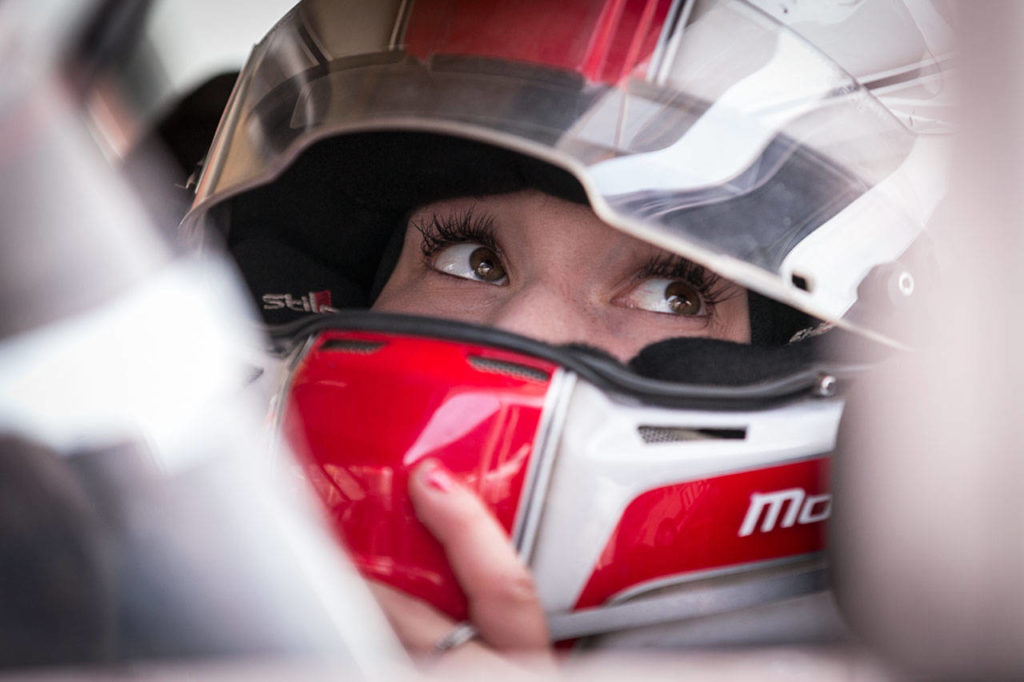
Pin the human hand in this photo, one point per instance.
(503, 603)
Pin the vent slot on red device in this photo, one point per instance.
(507, 368)
(352, 346)
(654, 435)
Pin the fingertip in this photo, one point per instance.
(433, 489)
(442, 502)
(430, 479)
(434, 476)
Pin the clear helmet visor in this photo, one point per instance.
(716, 133)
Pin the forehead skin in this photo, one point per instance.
(569, 279)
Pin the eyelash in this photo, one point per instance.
(441, 231)
(710, 286)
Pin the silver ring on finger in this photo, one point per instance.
(456, 637)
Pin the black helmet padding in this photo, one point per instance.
(325, 224)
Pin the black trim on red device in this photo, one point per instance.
(798, 378)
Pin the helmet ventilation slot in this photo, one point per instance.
(507, 368)
(353, 346)
(654, 435)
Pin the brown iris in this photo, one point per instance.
(485, 265)
(682, 298)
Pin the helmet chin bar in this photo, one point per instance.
(633, 502)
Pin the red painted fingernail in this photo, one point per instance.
(439, 478)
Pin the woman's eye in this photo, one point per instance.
(471, 261)
(672, 296)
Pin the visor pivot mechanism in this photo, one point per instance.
(826, 386)
(891, 284)
(905, 283)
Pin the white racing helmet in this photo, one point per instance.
(692, 480)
